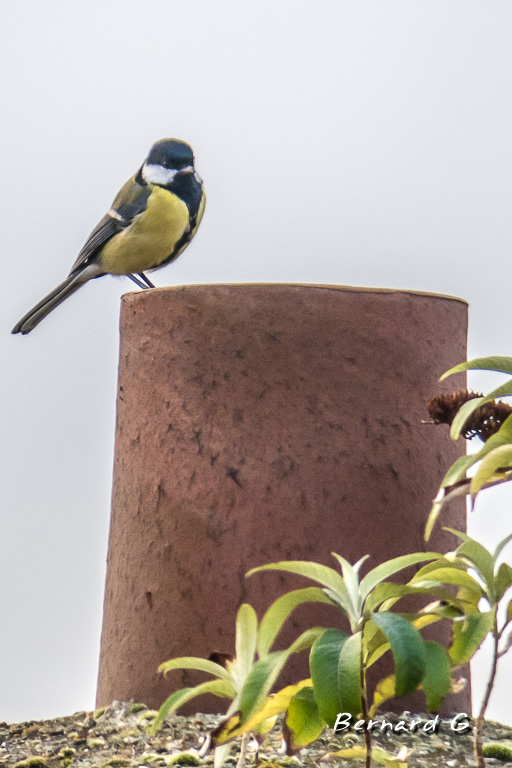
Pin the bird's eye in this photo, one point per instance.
(182, 164)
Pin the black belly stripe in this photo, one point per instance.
(187, 188)
(182, 242)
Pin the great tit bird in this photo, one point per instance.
(152, 220)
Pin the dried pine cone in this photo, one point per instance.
(484, 422)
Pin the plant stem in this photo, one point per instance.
(364, 712)
(479, 725)
(243, 750)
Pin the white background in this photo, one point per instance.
(359, 143)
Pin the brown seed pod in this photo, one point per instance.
(484, 422)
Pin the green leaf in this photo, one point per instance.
(508, 616)
(449, 575)
(193, 662)
(458, 469)
(372, 639)
(384, 690)
(276, 703)
(433, 516)
(264, 726)
(377, 650)
(421, 620)
(349, 675)
(303, 723)
(323, 664)
(453, 480)
(501, 546)
(502, 581)
(265, 672)
(487, 472)
(387, 569)
(408, 649)
(479, 557)
(387, 594)
(350, 576)
(306, 640)
(246, 632)
(344, 606)
(357, 566)
(229, 726)
(459, 534)
(379, 755)
(463, 415)
(492, 363)
(377, 645)
(176, 700)
(470, 601)
(436, 682)
(502, 437)
(259, 682)
(324, 575)
(449, 560)
(446, 608)
(447, 491)
(468, 635)
(279, 611)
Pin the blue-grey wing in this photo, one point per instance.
(130, 202)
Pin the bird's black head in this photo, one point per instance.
(172, 154)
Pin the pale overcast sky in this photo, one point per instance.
(364, 143)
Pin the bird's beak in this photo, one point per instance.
(191, 169)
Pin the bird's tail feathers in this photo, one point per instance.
(68, 286)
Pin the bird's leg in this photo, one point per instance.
(146, 279)
(137, 281)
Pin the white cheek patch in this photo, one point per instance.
(157, 174)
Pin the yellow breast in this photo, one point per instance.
(150, 238)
